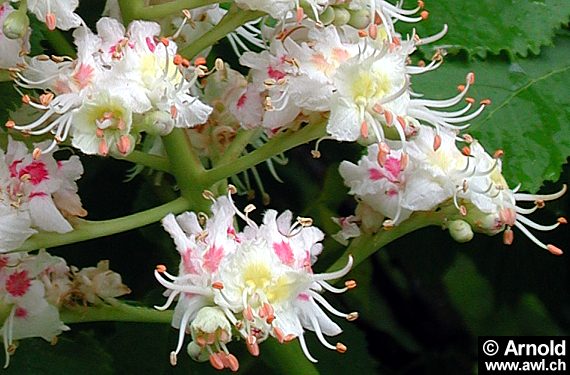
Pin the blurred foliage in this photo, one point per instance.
(424, 299)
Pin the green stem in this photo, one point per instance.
(275, 146)
(117, 312)
(87, 230)
(186, 168)
(361, 248)
(238, 145)
(136, 9)
(5, 75)
(155, 162)
(231, 21)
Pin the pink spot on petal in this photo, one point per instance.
(393, 166)
(375, 174)
(150, 44)
(241, 101)
(14, 168)
(284, 252)
(83, 75)
(3, 262)
(303, 297)
(36, 170)
(37, 194)
(187, 262)
(21, 312)
(275, 74)
(212, 258)
(18, 283)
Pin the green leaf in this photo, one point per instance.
(78, 353)
(530, 115)
(479, 27)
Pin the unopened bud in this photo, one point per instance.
(460, 231)
(360, 19)
(341, 16)
(16, 25)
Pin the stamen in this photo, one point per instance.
(340, 347)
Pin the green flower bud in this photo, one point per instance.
(16, 25)
(360, 19)
(341, 16)
(327, 17)
(460, 231)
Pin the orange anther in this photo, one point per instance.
(185, 63)
(26, 99)
(300, 14)
(173, 111)
(421, 4)
(165, 41)
(37, 153)
(352, 316)
(124, 144)
(460, 88)
(218, 285)
(50, 21)
(508, 236)
(373, 30)
(402, 122)
(200, 61)
(539, 203)
(471, 78)
(10, 124)
(103, 147)
(421, 63)
(364, 129)
(554, 250)
(470, 100)
(485, 102)
(463, 210)
(177, 60)
(100, 133)
(161, 268)
(362, 33)
(216, 361)
(341, 348)
(378, 109)
(436, 142)
(350, 284)
(233, 363)
(389, 118)
(466, 151)
(562, 220)
(498, 154)
(404, 161)
(424, 15)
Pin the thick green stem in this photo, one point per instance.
(5, 75)
(361, 248)
(275, 146)
(155, 162)
(117, 312)
(87, 230)
(231, 21)
(186, 168)
(136, 9)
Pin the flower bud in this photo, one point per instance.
(328, 16)
(16, 25)
(211, 320)
(341, 16)
(460, 231)
(360, 19)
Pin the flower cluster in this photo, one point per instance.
(426, 178)
(37, 192)
(34, 288)
(251, 284)
(122, 83)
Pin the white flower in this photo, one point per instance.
(27, 189)
(261, 279)
(55, 13)
(23, 293)
(275, 8)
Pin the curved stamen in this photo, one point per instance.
(530, 235)
(337, 274)
(182, 288)
(525, 211)
(305, 349)
(327, 305)
(433, 38)
(536, 226)
(331, 288)
(320, 336)
(169, 301)
(544, 197)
